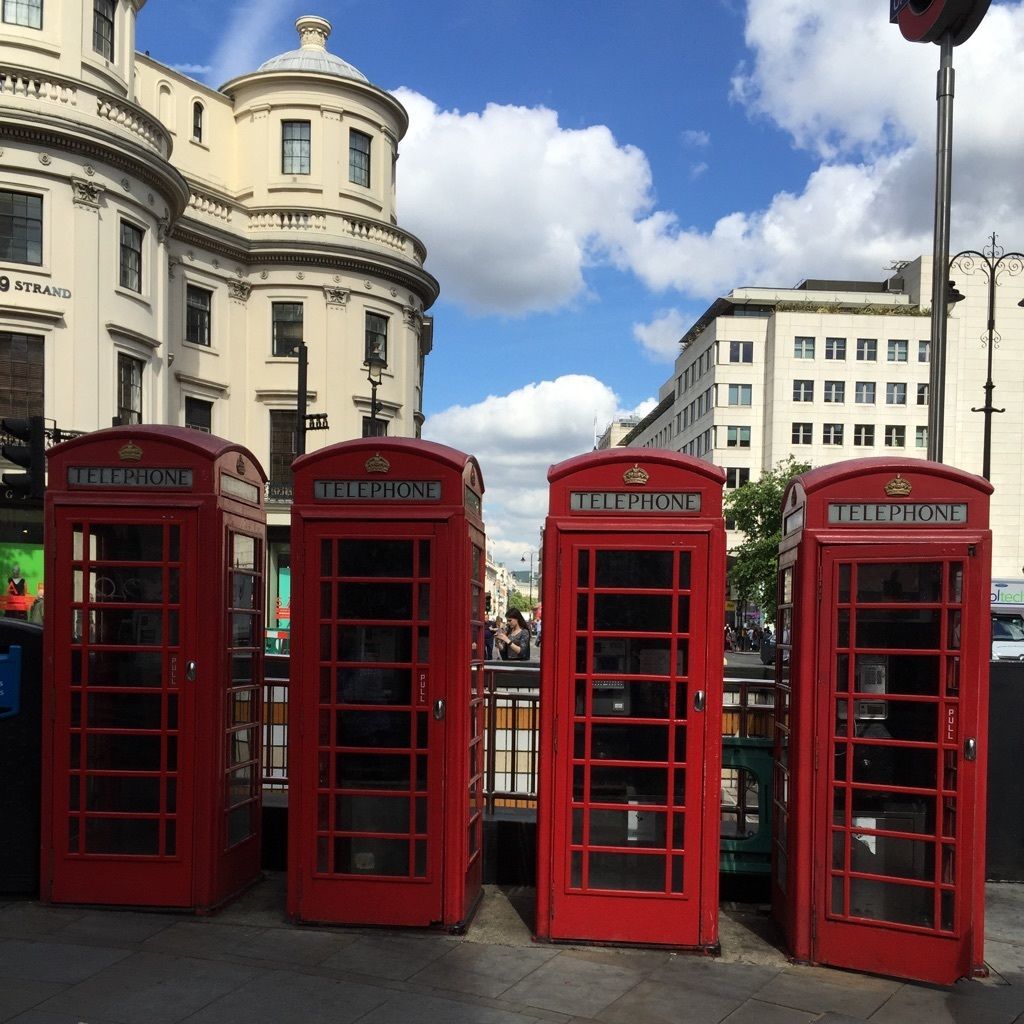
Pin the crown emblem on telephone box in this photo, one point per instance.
(898, 487)
(635, 477)
(130, 452)
(377, 464)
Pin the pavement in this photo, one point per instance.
(73, 965)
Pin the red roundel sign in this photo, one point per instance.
(927, 21)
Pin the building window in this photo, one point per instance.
(198, 302)
(103, 28)
(199, 415)
(740, 394)
(832, 433)
(374, 428)
(283, 424)
(803, 348)
(898, 350)
(924, 351)
(737, 437)
(287, 328)
(835, 391)
(895, 437)
(895, 394)
(803, 391)
(376, 338)
(131, 257)
(864, 392)
(129, 389)
(22, 364)
(864, 435)
(921, 437)
(24, 12)
(802, 433)
(922, 394)
(295, 147)
(835, 348)
(867, 349)
(736, 478)
(741, 351)
(359, 158)
(197, 121)
(21, 228)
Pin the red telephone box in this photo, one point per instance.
(386, 699)
(881, 710)
(153, 669)
(630, 742)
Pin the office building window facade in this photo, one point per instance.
(898, 350)
(22, 367)
(199, 415)
(286, 329)
(832, 433)
(359, 158)
(864, 435)
(376, 338)
(803, 348)
(103, 28)
(895, 437)
(921, 437)
(197, 121)
(895, 394)
(28, 13)
(374, 427)
(741, 351)
(803, 433)
(835, 391)
(924, 351)
(803, 391)
(283, 449)
(740, 394)
(737, 437)
(835, 348)
(21, 228)
(736, 478)
(295, 147)
(131, 257)
(867, 350)
(864, 392)
(129, 389)
(198, 309)
(922, 394)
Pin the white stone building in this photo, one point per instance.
(165, 245)
(836, 370)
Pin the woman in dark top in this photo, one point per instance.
(514, 646)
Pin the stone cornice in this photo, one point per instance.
(116, 330)
(33, 314)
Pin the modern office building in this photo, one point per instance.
(834, 370)
(165, 246)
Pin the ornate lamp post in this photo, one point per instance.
(523, 559)
(994, 263)
(374, 371)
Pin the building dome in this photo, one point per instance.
(312, 54)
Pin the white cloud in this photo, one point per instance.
(660, 337)
(696, 137)
(697, 170)
(252, 32)
(517, 437)
(195, 70)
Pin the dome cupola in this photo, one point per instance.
(312, 53)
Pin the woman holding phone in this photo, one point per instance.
(514, 645)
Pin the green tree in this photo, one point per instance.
(517, 599)
(756, 509)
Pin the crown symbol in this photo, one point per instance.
(635, 477)
(378, 464)
(898, 487)
(130, 452)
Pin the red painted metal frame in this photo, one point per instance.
(564, 912)
(803, 818)
(198, 866)
(449, 890)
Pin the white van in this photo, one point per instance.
(1007, 634)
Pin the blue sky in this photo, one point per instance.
(588, 176)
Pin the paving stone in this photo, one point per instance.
(113, 928)
(654, 1002)
(963, 1003)
(571, 985)
(31, 920)
(820, 990)
(483, 970)
(65, 963)
(20, 994)
(714, 977)
(41, 1017)
(388, 956)
(410, 1008)
(753, 1011)
(151, 988)
(287, 996)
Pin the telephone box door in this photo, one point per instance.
(124, 728)
(379, 723)
(897, 780)
(628, 776)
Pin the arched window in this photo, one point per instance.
(197, 121)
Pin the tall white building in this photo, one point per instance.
(834, 370)
(164, 246)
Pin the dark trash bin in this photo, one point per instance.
(21, 690)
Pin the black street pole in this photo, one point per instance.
(303, 399)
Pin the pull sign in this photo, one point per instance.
(951, 724)
(421, 691)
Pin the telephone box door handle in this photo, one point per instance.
(971, 749)
(190, 671)
(438, 710)
(699, 700)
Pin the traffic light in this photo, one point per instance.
(31, 455)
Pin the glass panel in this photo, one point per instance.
(243, 669)
(583, 611)
(112, 753)
(420, 848)
(376, 558)
(362, 856)
(948, 911)
(374, 601)
(614, 742)
(372, 771)
(626, 828)
(900, 904)
(374, 643)
(124, 711)
(424, 569)
(583, 570)
(424, 602)
(122, 835)
(243, 551)
(843, 635)
(633, 613)
(956, 582)
(633, 656)
(904, 630)
(372, 814)
(887, 855)
(894, 766)
(677, 874)
(243, 629)
(649, 570)
(380, 729)
(239, 785)
(124, 542)
(612, 785)
(240, 823)
(916, 675)
(901, 581)
(629, 872)
(243, 747)
(243, 590)
(612, 698)
(842, 680)
(374, 685)
(120, 793)
(135, 584)
(119, 626)
(844, 583)
(683, 615)
(123, 668)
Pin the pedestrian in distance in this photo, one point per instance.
(513, 642)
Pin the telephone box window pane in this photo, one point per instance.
(901, 812)
(678, 831)
(128, 543)
(122, 794)
(123, 835)
(583, 570)
(622, 785)
(375, 558)
(372, 771)
(371, 814)
(899, 904)
(886, 582)
(374, 685)
(242, 669)
(124, 711)
(243, 747)
(634, 613)
(614, 742)
(243, 552)
(888, 855)
(239, 785)
(377, 729)
(884, 765)
(134, 584)
(364, 856)
(632, 655)
(125, 668)
(956, 582)
(644, 829)
(374, 601)
(628, 872)
(612, 698)
(911, 674)
(650, 570)
(240, 823)
(119, 753)
(375, 643)
(918, 629)
(683, 615)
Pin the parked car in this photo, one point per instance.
(768, 651)
(1007, 636)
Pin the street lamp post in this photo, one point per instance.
(374, 372)
(523, 559)
(994, 263)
